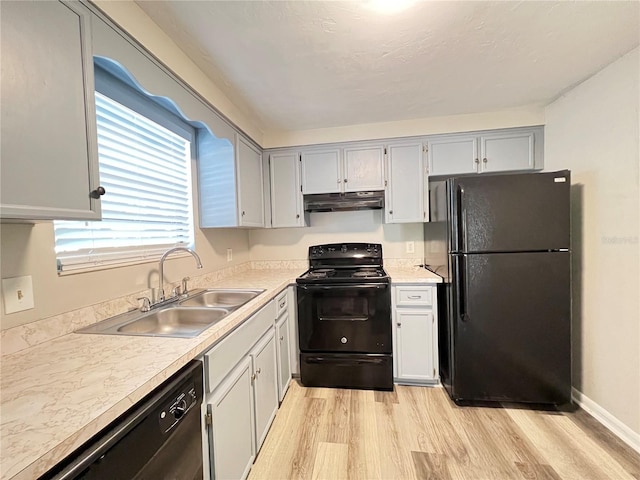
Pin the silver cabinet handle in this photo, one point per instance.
(281, 337)
(283, 304)
(414, 297)
(259, 371)
(484, 160)
(253, 377)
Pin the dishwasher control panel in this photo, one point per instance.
(175, 409)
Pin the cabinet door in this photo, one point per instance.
(286, 194)
(232, 430)
(507, 151)
(250, 192)
(49, 155)
(453, 155)
(282, 342)
(405, 198)
(414, 345)
(321, 172)
(363, 168)
(265, 385)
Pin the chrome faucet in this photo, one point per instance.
(161, 297)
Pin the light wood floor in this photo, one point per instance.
(417, 432)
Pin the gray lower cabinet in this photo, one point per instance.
(242, 375)
(49, 155)
(265, 385)
(232, 417)
(283, 344)
(415, 353)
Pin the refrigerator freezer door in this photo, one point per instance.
(509, 213)
(511, 328)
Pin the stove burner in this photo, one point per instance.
(322, 273)
(367, 273)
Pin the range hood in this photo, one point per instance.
(340, 202)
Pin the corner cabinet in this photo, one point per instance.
(415, 353)
(406, 198)
(49, 166)
(518, 149)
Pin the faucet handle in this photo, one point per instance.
(176, 291)
(146, 304)
(185, 288)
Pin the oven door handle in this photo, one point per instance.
(369, 286)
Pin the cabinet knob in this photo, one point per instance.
(259, 371)
(243, 213)
(253, 377)
(345, 180)
(298, 216)
(477, 160)
(484, 160)
(399, 324)
(98, 192)
(281, 337)
(390, 212)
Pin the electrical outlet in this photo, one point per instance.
(229, 254)
(17, 293)
(410, 247)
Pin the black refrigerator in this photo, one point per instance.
(501, 243)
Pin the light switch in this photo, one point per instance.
(17, 293)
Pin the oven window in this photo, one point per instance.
(342, 308)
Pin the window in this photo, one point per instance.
(145, 157)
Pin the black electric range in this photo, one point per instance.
(344, 318)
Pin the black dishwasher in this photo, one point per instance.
(158, 439)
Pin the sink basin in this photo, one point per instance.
(175, 322)
(185, 319)
(225, 298)
(172, 321)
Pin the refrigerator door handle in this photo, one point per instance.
(462, 220)
(462, 289)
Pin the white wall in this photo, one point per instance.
(594, 131)
(336, 227)
(520, 117)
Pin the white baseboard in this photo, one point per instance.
(623, 432)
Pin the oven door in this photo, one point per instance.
(353, 318)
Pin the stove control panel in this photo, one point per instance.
(353, 251)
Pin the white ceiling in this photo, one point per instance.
(296, 65)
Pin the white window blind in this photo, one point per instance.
(145, 169)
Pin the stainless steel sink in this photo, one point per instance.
(226, 298)
(175, 322)
(170, 321)
(180, 318)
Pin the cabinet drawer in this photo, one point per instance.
(281, 302)
(413, 296)
(223, 357)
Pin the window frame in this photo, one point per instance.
(147, 106)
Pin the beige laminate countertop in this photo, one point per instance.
(55, 396)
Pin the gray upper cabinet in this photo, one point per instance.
(406, 199)
(321, 171)
(230, 182)
(286, 191)
(49, 166)
(517, 149)
(363, 168)
(250, 191)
